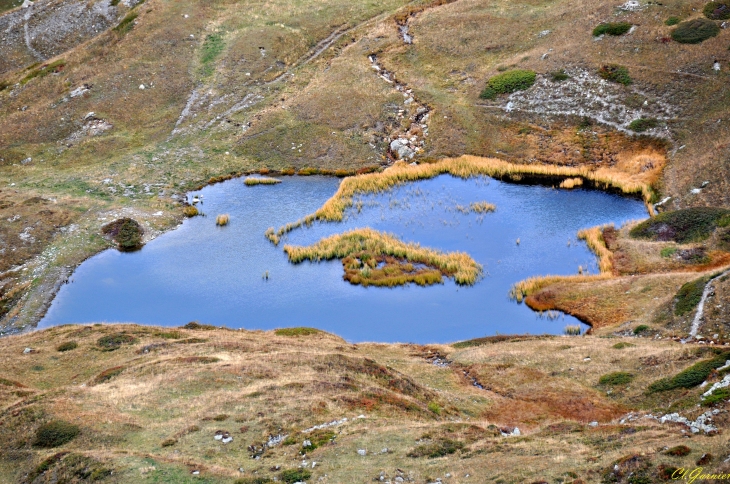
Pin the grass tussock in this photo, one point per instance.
(67, 346)
(508, 82)
(222, 220)
(595, 241)
(55, 434)
(264, 180)
(482, 207)
(364, 250)
(643, 124)
(190, 211)
(615, 73)
(572, 330)
(126, 24)
(463, 167)
(272, 236)
(569, 183)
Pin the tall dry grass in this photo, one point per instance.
(466, 166)
(594, 239)
(254, 180)
(458, 265)
(222, 219)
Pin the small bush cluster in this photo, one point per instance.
(622, 345)
(672, 21)
(190, 211)
(67, 346)
(667, 252)
(678, 451)
(572, 330)
(690, 377)
(126, 24)
(508, 82)
(290, 476)
(115, 341)
(695, 31)
(126, 232)
(689, 296)
(55, 433)
(617, 378)
(681, 226)
(719, 10)
(612, 28)
(643, 124)
(641, 328)
(559, 75)
(108, 374)
(44, 70)
(719, 395)
(197, 325)
(615, 73)
(300, 331)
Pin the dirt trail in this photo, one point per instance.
(709, 287)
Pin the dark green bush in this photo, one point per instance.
(55, 433)
(717, 10)
(221, 417)
(612, 28)
(617, 378)
(678, 451)
(695, 31)
(44, 70)
(719, 395)
(641, 328)
(689, 296)
(197, 325)
(682, 226)
(642, 124)
(126, 232)
(559, 75)
(672, 21)
(690, 377)
(253, 480)
(291, 476)
(67, 346)
(508, 82)
(438, 448)
(116, 340)
(615, 73)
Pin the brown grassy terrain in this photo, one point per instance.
(148, 402)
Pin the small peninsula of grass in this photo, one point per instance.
(253, 180)
(372, 258)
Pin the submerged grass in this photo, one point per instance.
(482, 207)
(364, 250)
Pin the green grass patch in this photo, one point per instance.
(126, 24)
(717, 10)
(115, 341)
(212, 48)
(672, 21)
(612, 28)
(434, 407)
(44, 70)
(616, 378)
(615, 73)
(641, 329)
(67, 346)
(252, 480)
(682, 226)
(719, 395)
(690, 377)
(689, 296)
(438, 448)
(55, 433)
(695, 31)
(667, 252)
(508, 82)
(622, 345)
(643, 124)
(300, 331)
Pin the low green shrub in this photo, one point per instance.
(667, 252)
(44, 70)
(617, 378)
(695, 31)
(689, 296)
(559, 75)
(615, 73)
(508, 82)
(719, 10)
(643, 124)
(681, 226)
(290, 476)
(126, 232)
(678, 451)
(622, 345)
(221, 417)
(197, 325)
(67, 346)
(672, 21)
(168, 442)
(107, 375)
(252, 480)
(641, 328)
(55, 433)
(719, 395)
(690, 377)
(126, 24)
(115, 340)
(434, 407)
(612, 28)
(439, 448)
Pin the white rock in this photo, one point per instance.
(141, 86)
(593, 424)
(27, 350)
(362, 452)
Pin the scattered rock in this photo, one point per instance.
(362, 452)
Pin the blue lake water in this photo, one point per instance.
(215, 274)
